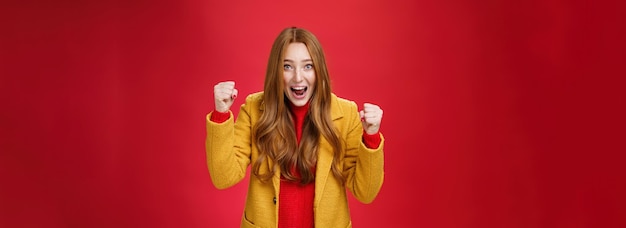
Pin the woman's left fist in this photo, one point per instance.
(371, 116)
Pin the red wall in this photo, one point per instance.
(497, 113)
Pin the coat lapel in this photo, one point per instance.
(325, 156)
(276, 178)
(270, 164)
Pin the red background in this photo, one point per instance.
(497, 113)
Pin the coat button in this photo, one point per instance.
(274, 200)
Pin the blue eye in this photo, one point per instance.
(287, 67)
(308, 66)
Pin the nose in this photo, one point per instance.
(297, 75)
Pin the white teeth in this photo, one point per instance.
(298, 88)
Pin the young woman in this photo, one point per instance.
(305, 144)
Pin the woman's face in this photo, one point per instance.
(298, 74)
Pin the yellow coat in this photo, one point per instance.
(230, 149)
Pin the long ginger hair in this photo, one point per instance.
(275, 132)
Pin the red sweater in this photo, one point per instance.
(296, 200)
(295, 207)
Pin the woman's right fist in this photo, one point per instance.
(224, 94)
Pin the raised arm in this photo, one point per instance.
(227, 143)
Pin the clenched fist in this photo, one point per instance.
(371, 116)
(224, 94)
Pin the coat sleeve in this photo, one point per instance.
(362, 167)
(228, 148)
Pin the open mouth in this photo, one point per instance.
(299, 90)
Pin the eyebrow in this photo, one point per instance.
(305, 60)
